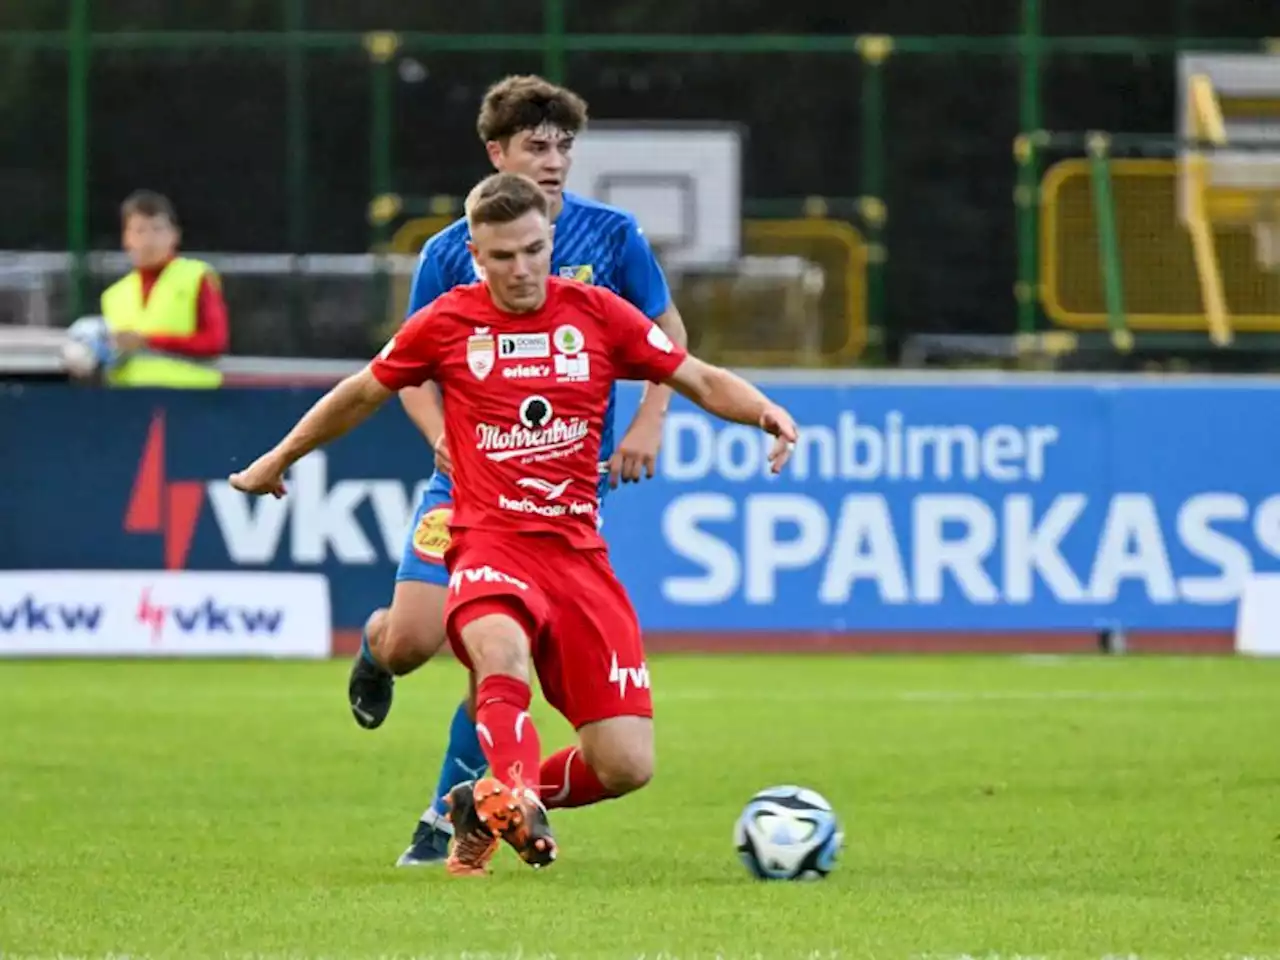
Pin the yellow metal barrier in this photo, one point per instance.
(1205, 116)
(408, 239)
(412, 234)
(1161, 282)
(747, 318)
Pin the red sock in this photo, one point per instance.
(567, 781)
(506, 731)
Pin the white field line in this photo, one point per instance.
(827, 695)
(659, 955)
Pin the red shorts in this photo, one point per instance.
(584, 632)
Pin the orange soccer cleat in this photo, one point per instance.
(518, 817)
(474, 844)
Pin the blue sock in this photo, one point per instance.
(366, 653)
(464, 760)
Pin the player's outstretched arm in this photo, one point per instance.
(343, 408)
(729, 397)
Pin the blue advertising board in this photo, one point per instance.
(961, 505)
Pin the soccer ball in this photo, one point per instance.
(86, 346)
(788, 833)
(78, 358)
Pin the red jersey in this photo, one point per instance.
(525, 396)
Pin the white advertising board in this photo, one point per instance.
(1258, 618)
(164, 614)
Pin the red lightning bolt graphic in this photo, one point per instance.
(159, 506)
(151, 614)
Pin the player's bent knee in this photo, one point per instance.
(375, 625)
(376, 630)
(413, 630)
(620, 751)
(405, 647)
(626, 772)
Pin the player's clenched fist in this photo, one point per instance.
(777, 422)
(264, 475)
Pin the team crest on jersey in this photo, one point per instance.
(568, 339)
(583, 273)
(572, 364)
(481, 353)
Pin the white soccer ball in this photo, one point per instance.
(788, 833)
(81, 351)
(78, 359)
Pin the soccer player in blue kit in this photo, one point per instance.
(528, 126)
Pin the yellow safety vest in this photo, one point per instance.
(170, 311)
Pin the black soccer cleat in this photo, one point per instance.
(369, 692)
(474, 844)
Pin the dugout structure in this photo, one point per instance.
(358, 119)
(1171, 235)
(796, 296)
(754, 291)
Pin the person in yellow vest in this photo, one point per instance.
(167, 317)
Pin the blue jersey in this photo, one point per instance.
(593, 243)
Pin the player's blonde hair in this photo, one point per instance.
(504, 197)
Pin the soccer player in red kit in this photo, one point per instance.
(526, 363)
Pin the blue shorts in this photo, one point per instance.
(422, 560)
(423, 557)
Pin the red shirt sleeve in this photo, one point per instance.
(210, 337)
(412, 356)
(641, 350)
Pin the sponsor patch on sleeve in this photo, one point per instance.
(431, 538)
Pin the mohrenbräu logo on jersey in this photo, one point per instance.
(539, 431)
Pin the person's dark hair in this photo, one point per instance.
(147, 203)
(527, 102)
(504, 197)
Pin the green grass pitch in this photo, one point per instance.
(993, 807)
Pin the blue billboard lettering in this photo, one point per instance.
(322, 518)
(958, 545)
(786, 532)
(215, 618)
(261, 621)
(30, 614)
(1009, 503)
(1215, 548)
(865, 549)
(1034, 547)
(850, 450)
(682, 533)
(251, 527)
(208, 616)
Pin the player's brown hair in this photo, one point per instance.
(504, 197)
(526, 102)
(147, 203)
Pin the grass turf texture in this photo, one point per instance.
(1074, 808)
